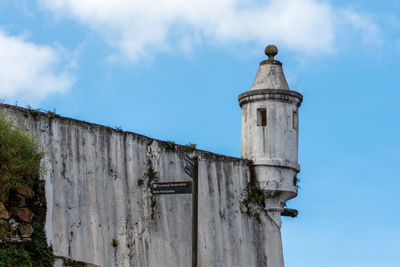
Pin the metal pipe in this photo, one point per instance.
(290, 213)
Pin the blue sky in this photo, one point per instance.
(173, 70)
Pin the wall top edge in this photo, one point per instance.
(36, 114)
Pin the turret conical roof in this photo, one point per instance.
(270, 73)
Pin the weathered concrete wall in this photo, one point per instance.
(94, 197)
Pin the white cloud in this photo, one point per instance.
(28, 71)
(370, 33)
(141, 27)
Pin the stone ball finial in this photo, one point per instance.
(271, 51)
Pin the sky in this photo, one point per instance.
(172, 70)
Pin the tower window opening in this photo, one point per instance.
(261, 117)
(295, 120)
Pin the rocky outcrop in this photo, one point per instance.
(16, 216)
(4, 214)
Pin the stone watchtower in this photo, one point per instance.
(270, 131)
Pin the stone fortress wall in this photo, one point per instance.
(100, 209)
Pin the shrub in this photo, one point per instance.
(14, 255)
(19, 158)
(35, 253)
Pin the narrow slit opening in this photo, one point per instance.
(295, 120)
(261, 117)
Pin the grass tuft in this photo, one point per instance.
(191, 146)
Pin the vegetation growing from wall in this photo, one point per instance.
(33, 253)
(254, 198)
(191, 146)
(296, 181)
(22, 202)
(114, 242)
(51, 114)
(152, 176)
(169, 146)
(19, 158)
(253, 201)
(140, 182)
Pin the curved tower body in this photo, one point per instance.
(270, 130)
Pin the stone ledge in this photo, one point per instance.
(67, 262)
(282, 95)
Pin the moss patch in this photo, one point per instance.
(114, 243)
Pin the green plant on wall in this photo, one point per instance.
(151, 173)
(51, 114)
(114, 243)
(152, 176)
(169, 146)
(34, 112)
(5, 230)
(296, 181)
(191, 146)
(254, 194)
(35, 253)
(13, 255)
(254, 201)
(19, 158)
